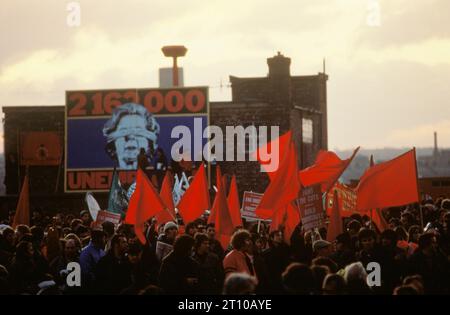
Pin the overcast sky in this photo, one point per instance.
(388, 84)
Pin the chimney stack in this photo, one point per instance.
(279, 66)
(435, 152)
(280, 79)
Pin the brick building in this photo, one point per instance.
(298, 103)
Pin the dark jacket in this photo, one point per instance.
(434, 270)
(211, 274)
(216, 248)
(112, 274)
(174, 273)
(276, 259)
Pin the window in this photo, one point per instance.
(307, 130)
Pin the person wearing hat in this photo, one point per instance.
(322, 248)
(164, 245)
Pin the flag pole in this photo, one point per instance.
(372, 163)
(418, 191)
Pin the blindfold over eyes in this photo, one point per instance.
(137, 132)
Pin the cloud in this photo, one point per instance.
(381, 79)
(404, 22)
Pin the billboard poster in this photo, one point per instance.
(250, 202)
(310, 206)
(109, 128)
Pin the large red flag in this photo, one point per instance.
(22, 215)
(168, 214)
(283, 188)
(144, 204)
(222, 219)
(389, 184)
(282, 143)
(233, 203)
(376, 215)
(326, 170)
(196, 198)
(335, 226)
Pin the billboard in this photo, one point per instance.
(106, 129)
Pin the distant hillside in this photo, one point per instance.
(361, 161)
(384, 154)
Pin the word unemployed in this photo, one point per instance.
(213, 150)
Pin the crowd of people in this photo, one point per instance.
(413, 254)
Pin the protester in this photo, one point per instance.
(190, 259)
(164, 245)
(24, 273)
(238, 259)
(113, 270)
(333, 284)
(276, 258)
(211, 273)
(239, 284)
(179, 271)
(89, 257)
(431, 264)
(298, 279)
(214, 244)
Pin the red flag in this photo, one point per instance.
(389, 184)
(222, 218)
(376, 215)
(22, 215)
(233, 203)
(282, 143)
(283, 188)
(326, 170)
(196, 198)
(288, 217)
(168, 214)
(335, 226)
(144, 204)
(377, 218)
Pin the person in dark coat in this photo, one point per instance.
(24, 272)
(113, 271)
(344, 254)
(276, 258)
(7, 248)
(179, 272)
(214, 244)
(428, 262)
(211, 274)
